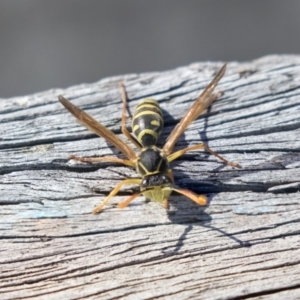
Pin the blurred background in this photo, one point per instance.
(58, 43)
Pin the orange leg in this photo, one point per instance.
(125, 162)
(124, 118)
(199, 199)
(166, 203)
(115, 192)
(177, 154)
(125, 203)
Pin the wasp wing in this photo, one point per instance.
(90, 123)
(203, 101)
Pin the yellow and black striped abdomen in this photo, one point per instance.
(147, 122)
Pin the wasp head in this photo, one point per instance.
(157, 187)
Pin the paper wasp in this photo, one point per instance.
(151, 163)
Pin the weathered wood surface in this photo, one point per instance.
(244, 244)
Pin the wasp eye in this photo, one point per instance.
(145, 182)
(165, 179)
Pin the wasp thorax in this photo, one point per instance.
(150, 161)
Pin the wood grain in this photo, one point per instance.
(244, 244)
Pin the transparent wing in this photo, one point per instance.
(203, 101)
(96, 127)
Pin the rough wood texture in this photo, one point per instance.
(244, 244)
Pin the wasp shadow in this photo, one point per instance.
(188, 213)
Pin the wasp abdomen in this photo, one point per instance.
(147, 122)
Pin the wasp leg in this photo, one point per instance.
(199, 199)
(125, 162)
(166, 203)
(177, 154)
(125, 203)
(124, 118)
(115, 192)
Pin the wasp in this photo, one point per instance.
(151, 163)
